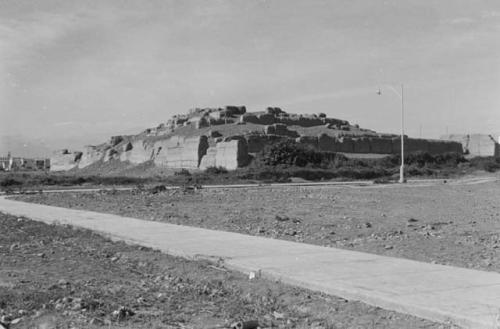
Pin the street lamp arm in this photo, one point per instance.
(400, 95)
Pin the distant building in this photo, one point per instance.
(4, 163)
(9, 163)
(477, 144)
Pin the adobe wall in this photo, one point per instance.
(64, 160)
(308, 141)
(112, 153)
(432, 146)
(476, 144)
(335, 122)
(260, 119)
(209, 159)
(415, 145)
(333, 144)
(482, 145)
(291, 120)
(257, 143)
(137, 152)
(381, 145)
(281, 130)
(301, 121)
(90, 155)
(231, 155)
(180, 152)
(384, 145)
(438, 146)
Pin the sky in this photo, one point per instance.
(76, 71)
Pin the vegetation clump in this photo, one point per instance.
(216, 170)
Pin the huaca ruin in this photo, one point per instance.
(229, 136)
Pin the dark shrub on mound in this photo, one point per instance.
(182, 172)
(216, 170)
(292, 154)
(6, 182)
(424, 159)
(490, 164)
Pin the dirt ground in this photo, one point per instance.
(446, 223)
(63, 277)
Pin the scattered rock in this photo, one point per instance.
(97, 322)
(253, 324)
(254, 275)
(5, 321)
(16, 321)
(76, 307)
(278, 316)
(63, 282)
(282, 219)
(122, 313)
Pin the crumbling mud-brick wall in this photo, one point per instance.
(415, 145)
(260, 119)
(333, 144)
(438, 146)
(362, 145)
(230, 154)
(327, 143)
(381, 145)
(302, 121)
(431, 146)
(136, 152)
(280, 130)
(476, 144)
(256, 142)
(112, 153)
(64, 160)
(90, 155)
(180, 152)
(482, 145)
(310, 141)
(335, 122)
(209, 159)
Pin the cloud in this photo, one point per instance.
(65, 123)
(340, 94)
(460, 21)
(19, 36)
(490, 14)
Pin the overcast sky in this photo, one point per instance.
(85, 69)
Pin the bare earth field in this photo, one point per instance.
(61, 277)
(443, 223)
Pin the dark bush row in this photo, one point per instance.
(293, 154)
(26, 179)
(490, 164)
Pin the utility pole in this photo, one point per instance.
(402, 169)
(401, 96)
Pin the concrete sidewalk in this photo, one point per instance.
(467, 298)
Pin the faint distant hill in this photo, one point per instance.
(20, 146)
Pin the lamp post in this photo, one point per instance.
(401, 96)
